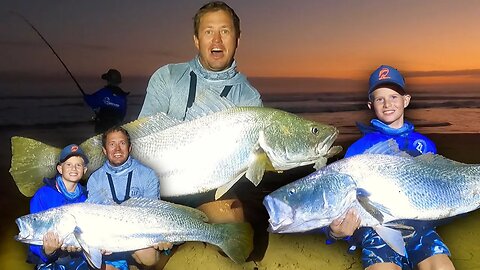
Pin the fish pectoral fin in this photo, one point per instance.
(94, 258)
(256, 169)
(393, 238)
(92, 255)
(378, 211)
(406, 230)
(223, 189)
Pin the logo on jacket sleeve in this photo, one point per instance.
(420, 145)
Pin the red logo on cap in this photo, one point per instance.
(383, 74)
(74, 148)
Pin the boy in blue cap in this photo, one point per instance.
(62, 189)
(425, 250)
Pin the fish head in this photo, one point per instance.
(32, 227)
(291, 141)
(309, 203)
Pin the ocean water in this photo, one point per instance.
(63, 119)
(440, 113)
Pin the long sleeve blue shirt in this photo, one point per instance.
(407, 138)
(168, 88)
(144, 182)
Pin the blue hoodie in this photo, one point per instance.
(50, 196)
(407, 139)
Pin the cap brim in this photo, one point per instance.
(388, 84)
(85, 159)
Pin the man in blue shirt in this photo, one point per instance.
(173, 88)
(120, 178)
(108, 103)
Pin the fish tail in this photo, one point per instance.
(238, 243)
(31, 162)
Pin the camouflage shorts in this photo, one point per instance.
(419, 247)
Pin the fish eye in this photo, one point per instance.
(291, 191)
(315, 130)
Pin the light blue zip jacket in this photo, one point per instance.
(169, 87)
(144, 182)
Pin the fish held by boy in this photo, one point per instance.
(138, 223)
(206, 153)
(391, 193)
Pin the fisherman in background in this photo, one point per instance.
(120, 178)
(63, 189)
(108, 103)
(425, 249)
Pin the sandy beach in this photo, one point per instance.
(295, 251)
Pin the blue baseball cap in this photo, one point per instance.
(386, 75)
(70, 151)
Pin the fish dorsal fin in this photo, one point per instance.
(388, 147)
(151, 124)
(102, 199)
(93, 255)
(207, 102)
(164, 206)
(393, 238)
(440, 160)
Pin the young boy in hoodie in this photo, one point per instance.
(425, 250)
(60, 190)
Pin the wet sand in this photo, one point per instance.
(295, 251)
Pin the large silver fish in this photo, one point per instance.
(135, 224)
(389, 191)
(207, 153)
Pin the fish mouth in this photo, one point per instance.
(316, 154)
(280, 213)
(24, 234)
(326, 144)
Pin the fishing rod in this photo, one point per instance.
(51, 48)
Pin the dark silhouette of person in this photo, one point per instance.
(108, 103)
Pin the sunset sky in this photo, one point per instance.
(434, 43)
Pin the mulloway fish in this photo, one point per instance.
(135, 224)
(391, 191)
(207, 153)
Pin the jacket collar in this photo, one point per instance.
(119, 169)
(226, 74)
(382, 127)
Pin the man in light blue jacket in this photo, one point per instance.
(120, 178)
(172, 88)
